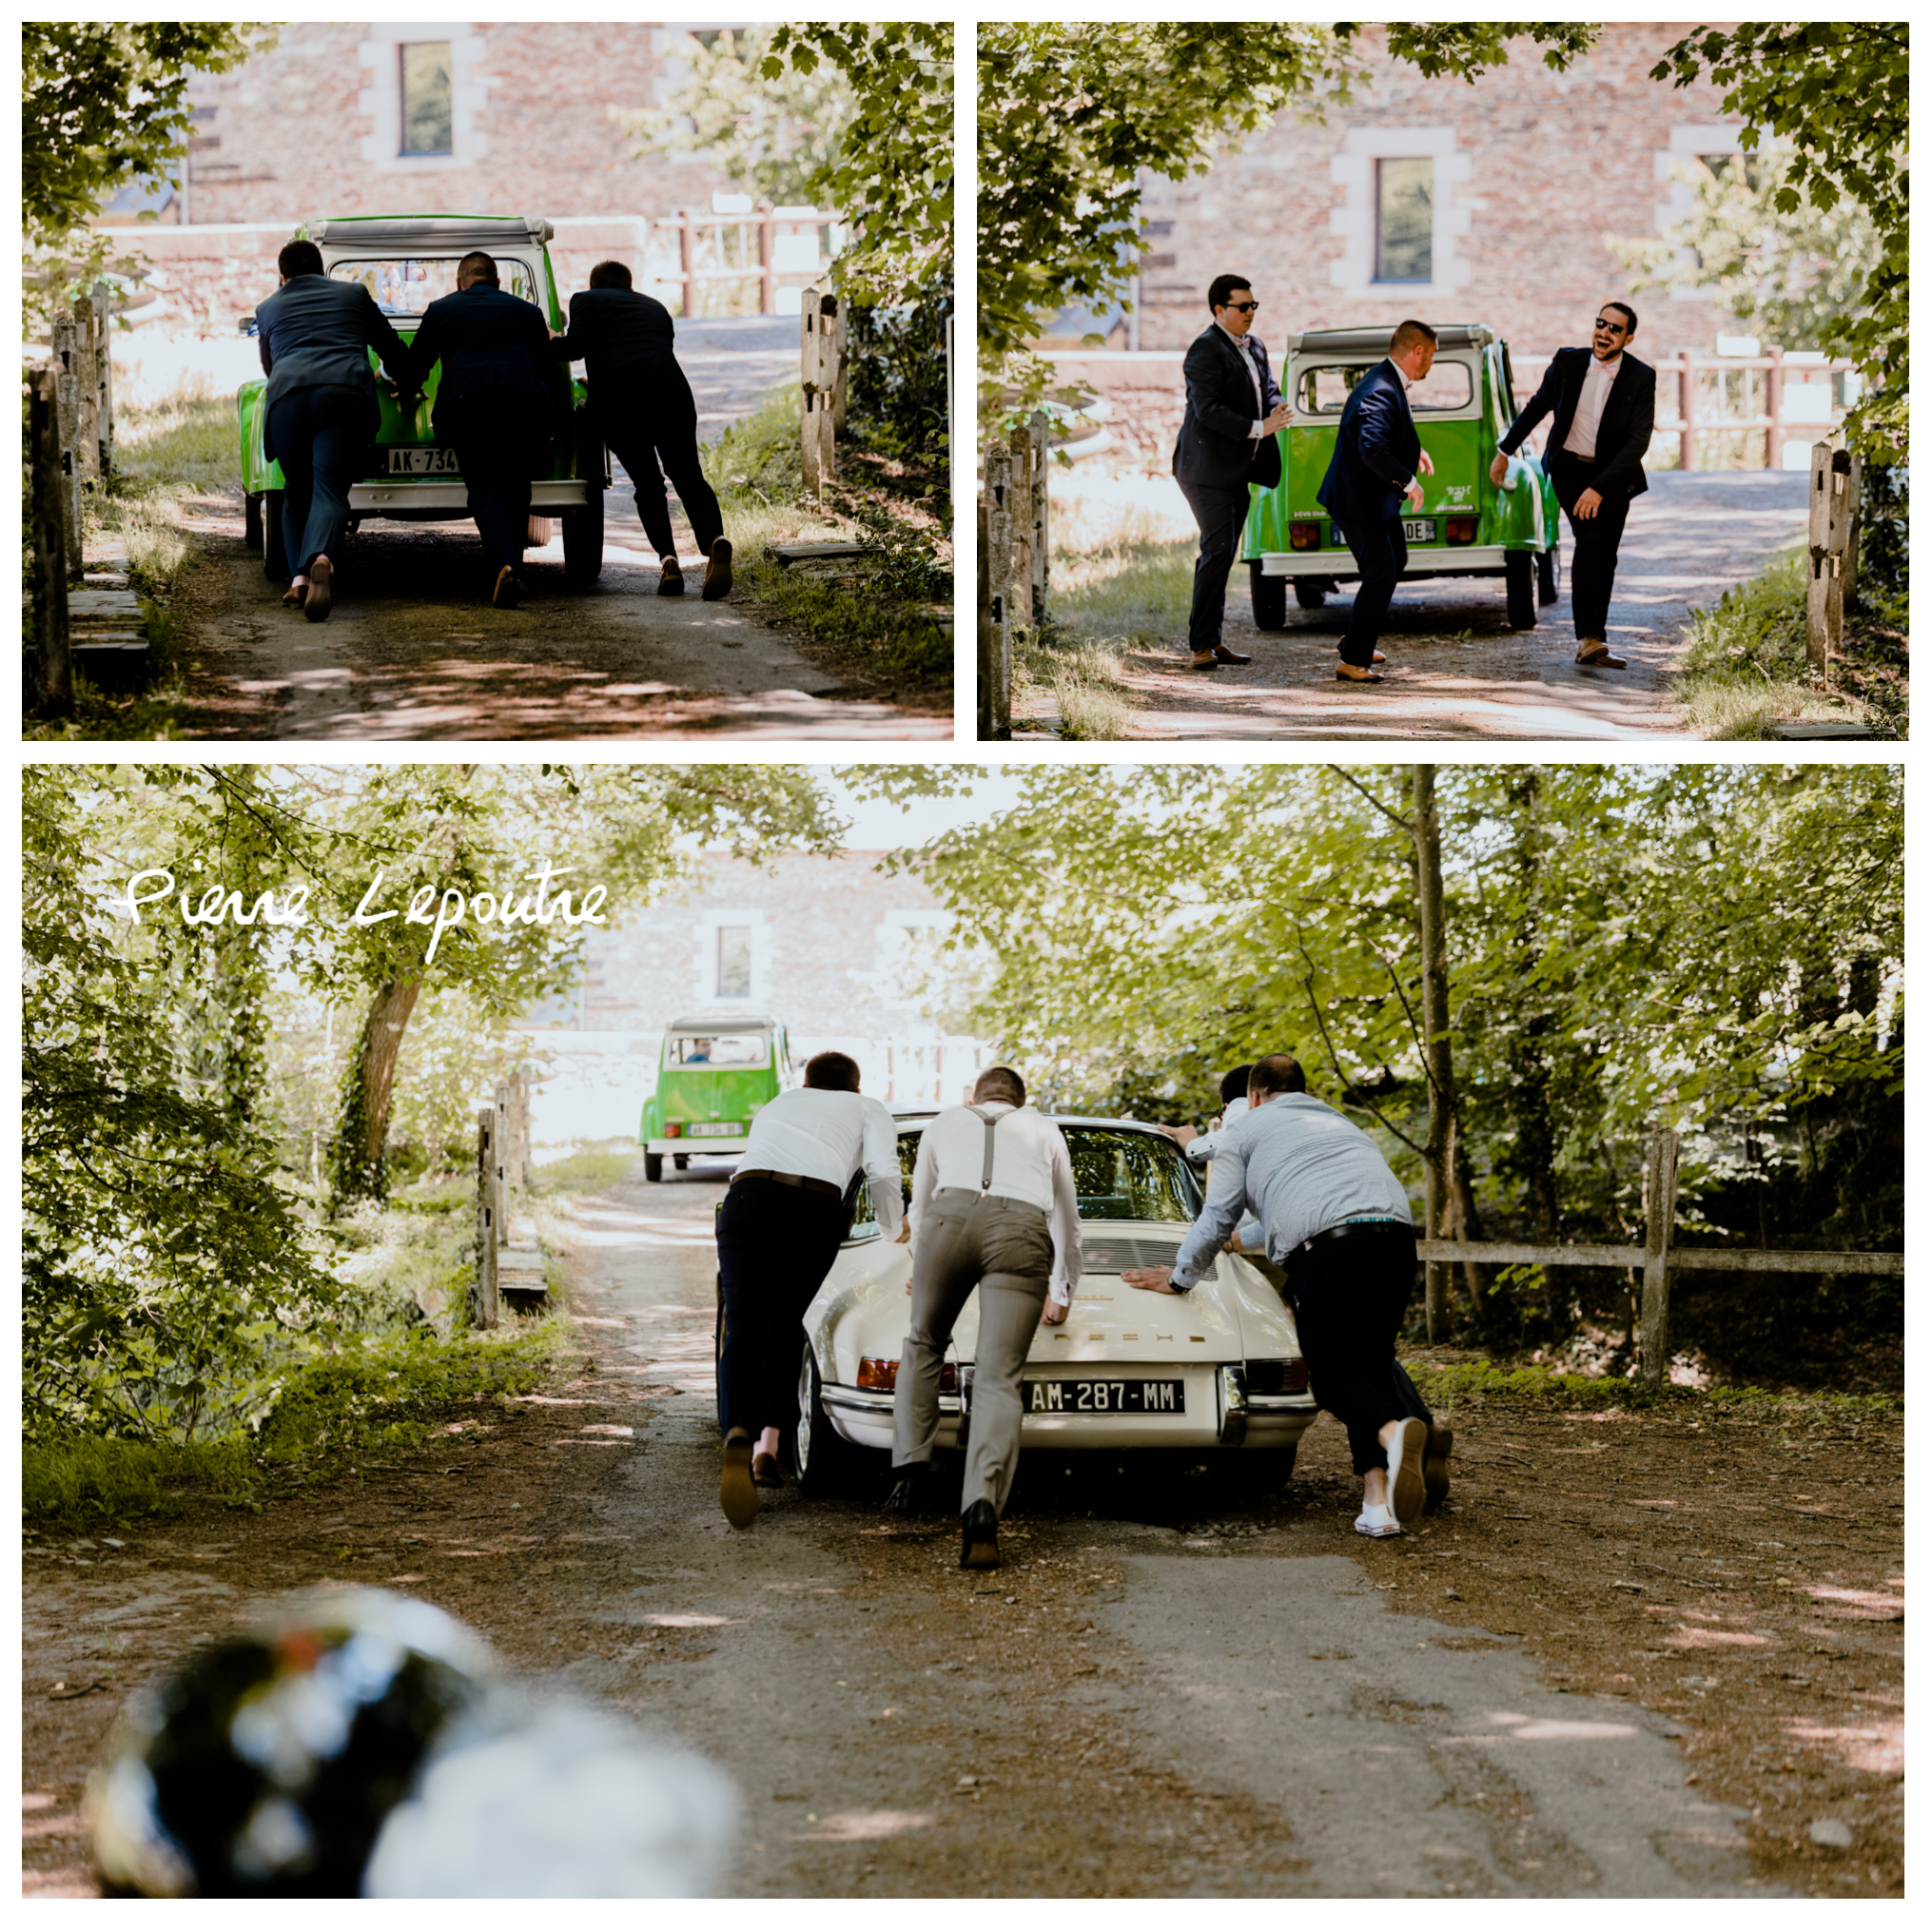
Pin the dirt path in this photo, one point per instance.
(1454, 670)
(1167, 1692)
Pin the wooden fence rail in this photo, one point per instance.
(1659, 1259)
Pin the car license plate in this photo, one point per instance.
(1418, 530)
(423, 462)
(715, 1127)
(1105, 1395)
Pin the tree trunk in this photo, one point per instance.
(359, 1171)
(1436, 1047)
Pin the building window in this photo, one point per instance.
(1405, 219)
(427, 113)
(735, 962)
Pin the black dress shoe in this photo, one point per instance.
(1224, 655)
(912, 1490)
(979, 1543)
(1435, 1466)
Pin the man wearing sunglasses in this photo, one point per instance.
(1227, 442)
(1605, 406)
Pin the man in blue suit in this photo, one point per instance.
(1378, 462)
(501, 401)
(319, 410)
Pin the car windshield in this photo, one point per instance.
(718, 1049)
(1322, 390)
(407, 284)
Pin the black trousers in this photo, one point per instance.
(1222, 515)
(1381, 555)
(777, 1245)
(1349, 1296)
(1593, 563)
(643, 435)
(319, 436)
(501, 438)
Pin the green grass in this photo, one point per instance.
(589, 1168)
(1083, 674)
(1745, 667)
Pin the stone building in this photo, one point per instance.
(1438, 199)
(382, 117)
(827, 944)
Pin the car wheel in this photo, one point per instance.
(251, 518)
(274, 559)
(654, 1167)
(1548, 576)
(1257, 1472)
(680, 1162)
(1269, 595)
(583, 540)
(1310, 593)
(827, 1465)
(1519, 571)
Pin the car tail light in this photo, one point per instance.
(878, 1372)
(1304, 537)
(1276, 1379)
(1461, 528)
(672, 1129)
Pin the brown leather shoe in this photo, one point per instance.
(717, 571)
(1224, 655)
(321, 577)
(737, 1495)
(764, 1470)
(1204, 660)
(1596, 654)
(294, 595)
(1354, 674)
(670, 577)
(507, 590)
(1435, 1466)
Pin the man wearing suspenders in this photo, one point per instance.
(993, 1208)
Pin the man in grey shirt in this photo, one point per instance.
(1336, 1219)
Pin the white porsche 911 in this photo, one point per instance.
(1217, 1371)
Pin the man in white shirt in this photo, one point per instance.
(779, 1230)
(1234, 1103)
(993, 1208)
(1604, 406)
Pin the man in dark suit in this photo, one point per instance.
(1605, 406)
(319, 410)
(644, 409)
(1227, 442)
(499, 404)
(1377, 465)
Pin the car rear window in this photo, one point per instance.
(1323, 388)
(406, 286)
(718, 1049)
(1118, 1175)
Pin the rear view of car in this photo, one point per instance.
(1467, 527)
(714, 1073)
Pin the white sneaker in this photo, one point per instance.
(1407, 1491)
(1377, 1519)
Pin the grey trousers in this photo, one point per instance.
(1004, 1248)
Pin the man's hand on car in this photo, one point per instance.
(1055, 1311)
(1153, 1279)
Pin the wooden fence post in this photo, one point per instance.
(87, 396)
(1660, 1215)
(999, 487)
(1686, 406)
(1036, 431)
(503, 1145)
(841, 363)
(1836, 482)
(1019, 580)
(687, 263)
(50, 640)
(986, 637)
(487, 1315)
(103, 317)
(821, 323)
(66, 391)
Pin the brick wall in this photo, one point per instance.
(1534, 169)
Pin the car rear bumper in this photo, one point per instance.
(1338, 566)
(1211, 1419)
(733, 1143)
(403, 498)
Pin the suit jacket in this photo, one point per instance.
(314, 333)
(485, 339)
(624, 340)
(1214, 447)
(1630, 414)
(1377, 450)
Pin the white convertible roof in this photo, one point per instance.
(415, 232)
(1375, 341)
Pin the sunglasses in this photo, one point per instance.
(1243, 308)
(1616, 328)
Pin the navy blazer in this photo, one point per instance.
(1214, 448)
(1629, 416)
(1377, 450)
(624, 341)
(485, 339)
(314, 334)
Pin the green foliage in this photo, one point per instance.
(83, 1482)
(1839, 92)
(1793, 274)
(773, 133)
(893, 175)
(1073, 114)
(896, 372)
